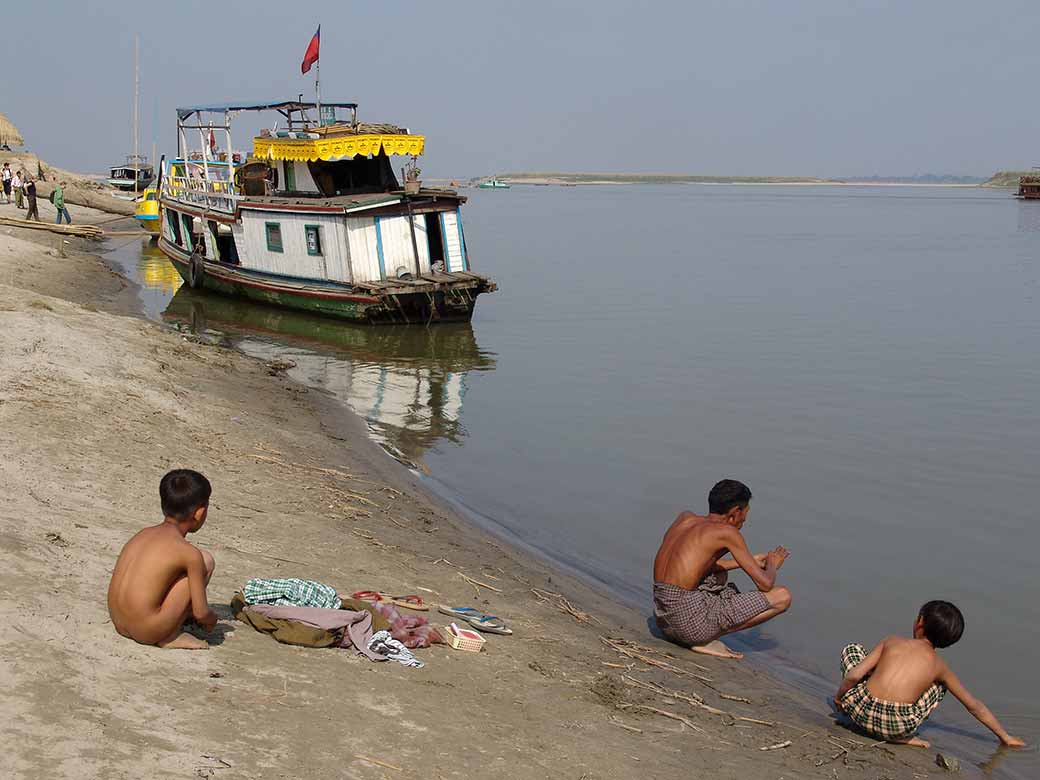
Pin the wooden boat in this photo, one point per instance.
(135, 174)
(1029, 187)
(147, 210)
(315, 220)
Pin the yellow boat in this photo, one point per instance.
(147, 211)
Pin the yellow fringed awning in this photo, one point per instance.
(337, 148)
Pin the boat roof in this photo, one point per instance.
(271, 105)
(353, 202)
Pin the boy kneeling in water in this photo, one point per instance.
(160, 579)
(890, 691)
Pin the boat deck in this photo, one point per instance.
(429, 282)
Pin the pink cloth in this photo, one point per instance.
(358, 625)
(411, 631)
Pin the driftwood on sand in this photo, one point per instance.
(83, 231)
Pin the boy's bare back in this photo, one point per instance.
(906, 669)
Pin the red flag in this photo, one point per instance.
(312, 52)
(212, 142)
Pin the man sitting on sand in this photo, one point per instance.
(160, 579)
(890, 691)
(693, 603)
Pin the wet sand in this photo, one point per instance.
(96, 405)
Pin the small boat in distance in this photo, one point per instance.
(135, 174)
(147, 211)
(315, 218)
(493, 184)
(1029, 187)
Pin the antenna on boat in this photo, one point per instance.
(137, 90)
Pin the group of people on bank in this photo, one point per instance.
(23, 187)
(159, 583)
(888, 692)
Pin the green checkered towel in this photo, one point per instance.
(291, 593)
(884, 719)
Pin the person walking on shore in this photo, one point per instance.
(30, 194)
(58, 198)
(16, 185)
(6, 175)
(694, 604)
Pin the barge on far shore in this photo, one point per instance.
(1028, 187)
(316, 220)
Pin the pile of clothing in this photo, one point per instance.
(311, 614)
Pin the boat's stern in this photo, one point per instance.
(146, 211)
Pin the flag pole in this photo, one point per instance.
(317, 76)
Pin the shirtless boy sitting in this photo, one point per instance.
(890, 691)
(160, 579)
(693, 603)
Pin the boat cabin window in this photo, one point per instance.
(175, 226)
(357, 175)
(151, 196)
(274, 237)
(224, 244)
(313, 239)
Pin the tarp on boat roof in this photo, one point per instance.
(276, 105)
(335, 148)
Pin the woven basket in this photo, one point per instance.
(468, 640)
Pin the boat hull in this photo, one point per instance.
(129, 184)
(330, 299)
(149, 222)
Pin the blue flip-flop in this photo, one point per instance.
(490, 624)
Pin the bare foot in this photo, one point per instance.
(912, 741)
(184, 641)
(717, 649)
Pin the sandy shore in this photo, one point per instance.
(95, 405)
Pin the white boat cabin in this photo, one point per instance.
(317, 203)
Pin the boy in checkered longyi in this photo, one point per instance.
(890, 691)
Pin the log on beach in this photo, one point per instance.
(81, 190)
(88, 194)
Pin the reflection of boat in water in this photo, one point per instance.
(156, 271)
(409, 383)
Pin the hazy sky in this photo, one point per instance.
(825, 88)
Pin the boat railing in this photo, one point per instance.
(212, 194)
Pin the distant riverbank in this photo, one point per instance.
(585, 179)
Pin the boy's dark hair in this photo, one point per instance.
(943, 623)
(182, 491)
(727, 494)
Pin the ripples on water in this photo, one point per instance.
(865, 358)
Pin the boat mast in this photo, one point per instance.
(137, 86)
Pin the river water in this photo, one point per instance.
(865, 358)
